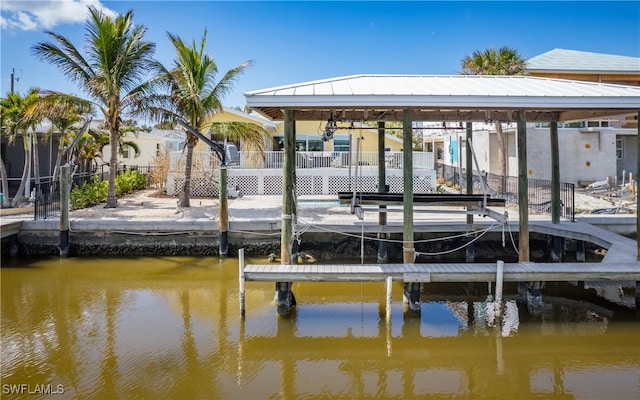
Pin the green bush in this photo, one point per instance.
(95, 191)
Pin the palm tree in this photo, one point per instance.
(64, 117)
(111, 73)
(504, 61)
(19, 115)
(195, 96)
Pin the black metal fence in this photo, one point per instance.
(47, 193)
(506, 187)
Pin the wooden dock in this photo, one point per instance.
(9, 228)
(442, 272)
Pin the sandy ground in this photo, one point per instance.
(146, 204)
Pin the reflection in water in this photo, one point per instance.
(171, 328)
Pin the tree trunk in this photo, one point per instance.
(36, 157)
(186, 189)
(56, 170)
(19, 197)
(502, 153)
(112, 201)
(5, 184)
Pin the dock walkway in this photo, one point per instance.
(443, 272)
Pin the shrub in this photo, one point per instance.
(95, 191)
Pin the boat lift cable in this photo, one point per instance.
(438, 253)
(471, 233)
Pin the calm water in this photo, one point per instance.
(170, 328)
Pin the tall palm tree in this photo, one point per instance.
(504, 61)
(195, 96)
(111, 73)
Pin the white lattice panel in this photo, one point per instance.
(273, 184)
(308, 182)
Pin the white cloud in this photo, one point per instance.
(29, 15)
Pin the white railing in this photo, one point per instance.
(310, 159)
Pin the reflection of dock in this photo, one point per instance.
(443, 272)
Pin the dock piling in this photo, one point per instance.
(241, 280)
(389, 281)
(499, 283)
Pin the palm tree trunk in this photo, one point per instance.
(36, 157)
(112, 201)
(5, 184)
(25, 173)
(502, 154)
(186, 189)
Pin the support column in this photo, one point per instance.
(224, 211)
(411, 290)
(523, 188)
(382, 188)
(64, 210)
(470, 251)
(408, 250)
(284, 298)
(556, 241)
(289, 164)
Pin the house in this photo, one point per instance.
(592, 149)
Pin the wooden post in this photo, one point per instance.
(389, 281)
(408, 250)
(499, 284)
(556, 241)
(382, 188)
(580, 251)
(523, 188)
(287, 187)
(411, 290)
(284, 298)
(64, 209)
(241, 280)
(470, 253)
(555, 173)
(224, 211)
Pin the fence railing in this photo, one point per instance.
(309, 159)
(506, 187)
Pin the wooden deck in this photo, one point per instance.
(8, 228)
(445, 272)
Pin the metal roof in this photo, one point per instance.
(445, 98)
(561, 60)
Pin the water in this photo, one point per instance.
(169, 327)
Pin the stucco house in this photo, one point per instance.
(592, 150)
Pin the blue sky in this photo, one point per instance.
(299, 41)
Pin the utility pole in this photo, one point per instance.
(13, 73)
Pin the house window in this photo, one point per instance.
(341, 143)
(619, 149)
(157, 149)
(576, 124)
(303, 143)
(125, 153)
